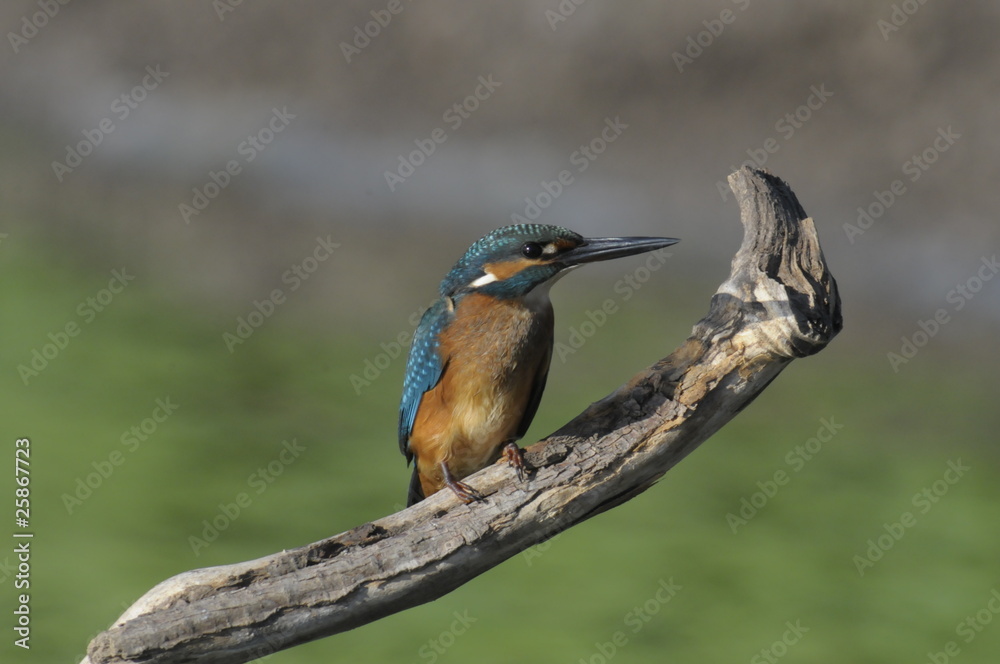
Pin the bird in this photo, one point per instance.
(480, 355)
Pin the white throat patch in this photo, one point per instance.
(487, 278)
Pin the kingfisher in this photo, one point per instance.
(481, 353)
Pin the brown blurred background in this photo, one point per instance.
(889, 93)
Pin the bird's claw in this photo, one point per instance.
(464, 492)
(514, 455)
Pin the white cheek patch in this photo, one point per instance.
(487, 278)
(550, 249)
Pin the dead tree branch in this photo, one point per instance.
(779, 303)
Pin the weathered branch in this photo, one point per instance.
(779, 303)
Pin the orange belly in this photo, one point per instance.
(492, 362)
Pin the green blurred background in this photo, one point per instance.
(785, 585)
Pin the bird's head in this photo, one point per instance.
(511, 261)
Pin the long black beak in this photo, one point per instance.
(605, 248)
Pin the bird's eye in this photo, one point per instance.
(531, 250)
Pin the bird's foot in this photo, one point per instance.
(464, 492)
(514, 455)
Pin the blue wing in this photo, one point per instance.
(423, 368)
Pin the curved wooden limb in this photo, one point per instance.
(779, 303)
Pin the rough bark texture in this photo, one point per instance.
(779, 303)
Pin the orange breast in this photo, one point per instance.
(493, 353)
